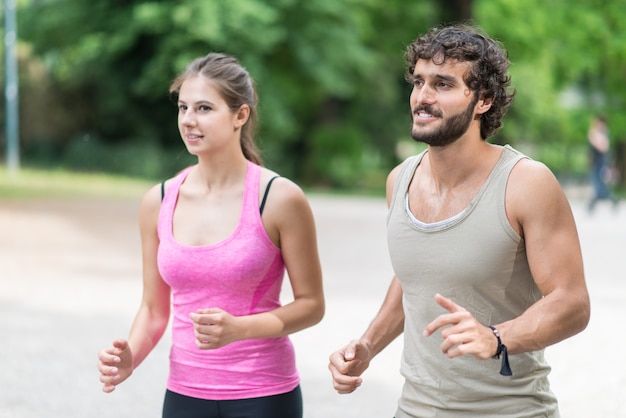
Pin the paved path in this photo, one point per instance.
(70, 283)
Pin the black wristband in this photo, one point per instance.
(505, 368)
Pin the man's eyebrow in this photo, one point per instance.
(444, 77)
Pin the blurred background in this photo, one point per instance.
(86, 126)
(93, 80)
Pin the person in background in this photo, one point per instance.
(217, 239)
(485, 251)
(599, 145)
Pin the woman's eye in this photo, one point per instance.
(204, 108)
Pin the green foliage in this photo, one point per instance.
(568, 61)
(118, 58)
(138, 158)
(333, 102)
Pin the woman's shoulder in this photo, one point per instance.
(277, 179)
(165, 183)
(283, 192)
(150, 203)
(155, 194)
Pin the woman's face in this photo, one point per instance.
(205, 121)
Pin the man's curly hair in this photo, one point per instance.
(488, 75)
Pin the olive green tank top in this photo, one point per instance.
(479, 261)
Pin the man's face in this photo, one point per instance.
(443, 106)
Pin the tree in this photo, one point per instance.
(330, 73)
(455, 11)
(116, 59)
(568, 63)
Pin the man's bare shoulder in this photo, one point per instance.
(534, 193)
(391, 180)
(530, 175)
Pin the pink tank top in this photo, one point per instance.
(242, 275)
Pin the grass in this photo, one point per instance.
(27, 183)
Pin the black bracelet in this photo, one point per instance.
(505, 368)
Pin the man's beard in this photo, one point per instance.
(451, 130)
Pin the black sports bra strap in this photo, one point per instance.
(267, 190)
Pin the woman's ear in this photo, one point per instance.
(241, 115)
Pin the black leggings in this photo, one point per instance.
(286, 405)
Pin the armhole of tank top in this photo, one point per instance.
(396, 194)
(162, 190)
(267, 190)
(508, 167)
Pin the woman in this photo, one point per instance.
(216, 241)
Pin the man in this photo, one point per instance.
(599, 145)
(484, 248)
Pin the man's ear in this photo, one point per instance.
(483, 105)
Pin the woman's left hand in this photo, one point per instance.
(214, 328)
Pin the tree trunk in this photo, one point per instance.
(455, 11)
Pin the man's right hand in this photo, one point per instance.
(347, 364)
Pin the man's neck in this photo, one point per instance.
(460, 161)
